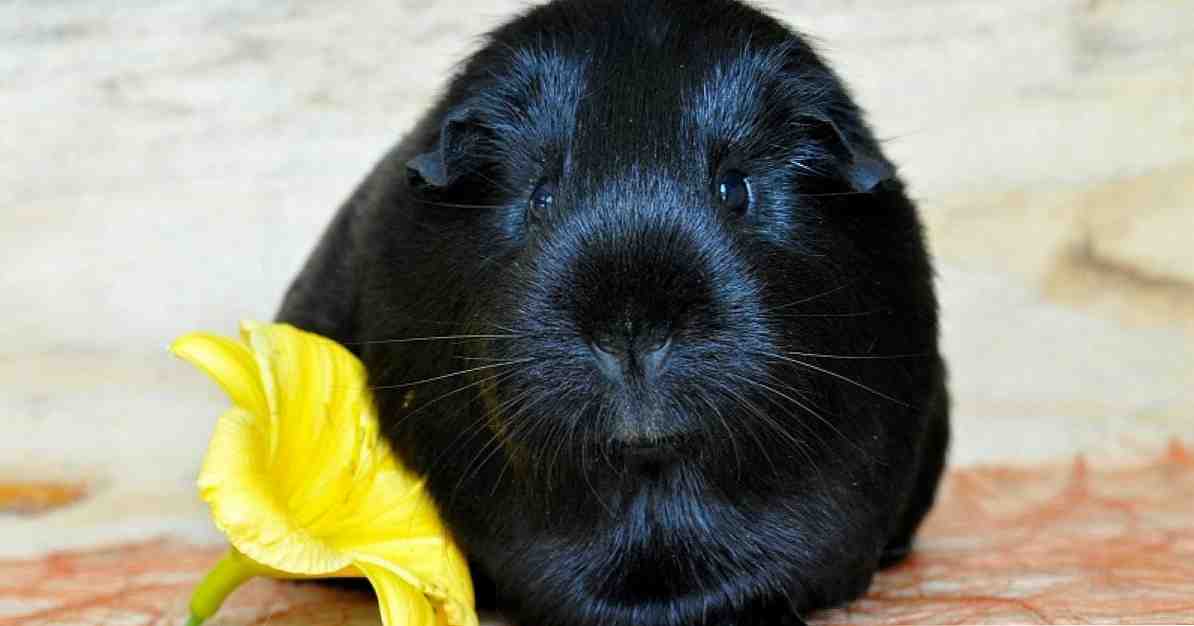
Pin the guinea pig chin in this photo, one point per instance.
(641, 425)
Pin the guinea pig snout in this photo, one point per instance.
(638, 300)
(631, 317)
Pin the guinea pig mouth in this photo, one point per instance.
(646, 448)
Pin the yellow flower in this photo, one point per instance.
(303, 486)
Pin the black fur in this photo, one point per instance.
(789, 438)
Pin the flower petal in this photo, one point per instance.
(401, 603)
(434, 565)
(235, 483)
(451, 609)
(300, 480)
(317, 392)
(229, 363)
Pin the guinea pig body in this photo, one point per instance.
(643, 300)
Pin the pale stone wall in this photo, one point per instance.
(167, 167)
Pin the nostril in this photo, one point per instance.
(640, 357)
(653, 357)
(608, 344)
(608, 361)
(659, 345)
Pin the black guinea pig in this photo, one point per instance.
(644, 301)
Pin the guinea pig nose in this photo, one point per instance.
(620, 357)
(610, 345)
(653, 356)
(608, 357)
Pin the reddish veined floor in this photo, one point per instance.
(1068, 543)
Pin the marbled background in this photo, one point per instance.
(166, 166)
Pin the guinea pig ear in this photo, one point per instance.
(860, 166)
(437, 166)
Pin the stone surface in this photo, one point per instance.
(167, 166)
(1076, 543)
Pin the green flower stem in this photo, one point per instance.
(232, 571)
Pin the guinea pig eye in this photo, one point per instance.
(542, 200)
(733, 192)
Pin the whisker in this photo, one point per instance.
(456, 205)
(915, 355)
(479, 426)
(817, 296)
(510, 418)
(857, 314)
(474, 321)
(571, 438)
(422, 339)
(505, 328)
(799, 445)
(472, 427)
(834, 194)
(443, 376)
(805, 407)
(472, 430)
(482, 381)
(493, 449)
(509, 460)
(779, 427)
(729, 432)
(754, 410)
(571, 422)
(840, 377)
(810, 407)
(497, 482)
(584, 449)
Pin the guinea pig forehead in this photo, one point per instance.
(738, 91)
(533, 97)
(631, 120)
(625, 186)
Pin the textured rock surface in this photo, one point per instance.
(1076, 543)
(167, 166)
